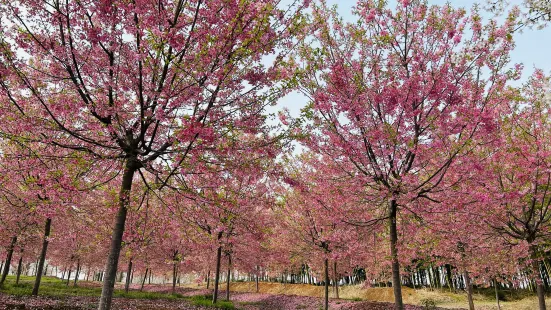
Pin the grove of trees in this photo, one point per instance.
(136, 140)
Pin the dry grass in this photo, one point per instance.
(443, 298)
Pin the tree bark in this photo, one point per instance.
(68, 277)
(228, 280)
(537, 278)
(396, 284)
(8, 259)
(469, 288)
(208, 279)
(77, 273)
(174, 271)
(497, 295)
(42, 258)
(336, 280)
(19, 268)
(217, 275)
(326, 280)
(116, 238)
(128, 278)
(256, 280)
(143, 280)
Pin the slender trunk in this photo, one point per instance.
(497, 295)
(256, 280)
(8, 260)
(143, 280)
(116, 238)
(469, 288)
(42, 258)
(174, 271)
(396, 284)
(537, 278)
(19, 268)
(77, 273)
(217, 275)
(448, 276)
(336, 280)
(128, 278)
(208, 279)
(326, 280)
(228, 280)
(68, 277)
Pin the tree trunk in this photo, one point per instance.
(256, 280)
(68, 277)
(326, 280)
(143, 280)
(497, 295)
(116, 238)
(42, 258)
(19, 268)
(128, 279)
(537, 278)
(217, 275)
(396, 284)
(228, 280)
(208, 279)
(8, 260)
(448, 276)
(336, 280)
(174, 271)
(77, 273)
(469, 288)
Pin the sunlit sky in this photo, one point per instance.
(533, 46)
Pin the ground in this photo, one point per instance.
(55, 295)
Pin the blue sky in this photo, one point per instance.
(533, 46)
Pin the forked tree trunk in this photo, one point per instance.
(228, 280)
(326, 280)
(128, 276)
(19, 268)
(116, 238)
(217, 275)
(396, 284)
(42, 258)
(469, 288)
(537, 278)
(8, 260)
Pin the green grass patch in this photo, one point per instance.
(354, 299)
(206, 301)
(54, 287)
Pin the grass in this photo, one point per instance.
(206, 301)
(54, 287)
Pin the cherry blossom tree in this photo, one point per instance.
(401, 94)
